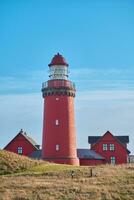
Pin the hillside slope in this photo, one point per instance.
(11, 162)
(38, 180)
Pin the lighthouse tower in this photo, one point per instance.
(59, 137)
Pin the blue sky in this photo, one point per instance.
(96, 38)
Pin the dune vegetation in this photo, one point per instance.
(24, 179)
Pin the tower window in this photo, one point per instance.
(112, 147)
(112, 160)
(20, 150)
(56, 122)
(57, 147)
(104, 147)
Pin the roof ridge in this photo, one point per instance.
(30, 139)
(100, 137)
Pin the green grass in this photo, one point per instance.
(12, 163)
(27, 179)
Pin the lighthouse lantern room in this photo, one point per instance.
(59, 71)
(59, 136)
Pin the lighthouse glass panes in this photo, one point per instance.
(58, 72)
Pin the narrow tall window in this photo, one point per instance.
(104, 147)
(56, 122)
(20, 150)
(57, 147)
(112, 160)
(112, 147)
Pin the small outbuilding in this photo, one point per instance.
(89, 157)
(22, 144)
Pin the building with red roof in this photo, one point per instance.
(103, 149)
(112, 148)
(22, 144)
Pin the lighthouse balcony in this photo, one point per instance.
(58, 84)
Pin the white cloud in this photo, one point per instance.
(30, 82)
(94, 79)
(87, 78)
(104, 101)
(20, 111)
(96, 112)
(97, 119)
(90, 72)
(99, 95)
(99, 111)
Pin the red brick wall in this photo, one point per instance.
(62, 134)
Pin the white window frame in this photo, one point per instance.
(112, 147)
(57, 147)
(105, 148)
(20, 150)
(112, 160)
(56, 122)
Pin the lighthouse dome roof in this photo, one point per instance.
(58, 59)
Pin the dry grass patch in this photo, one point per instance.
(108, 183)
(11, 163)
(45, 181)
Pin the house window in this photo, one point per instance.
(112, 147)
(57, 147)
(56, 122)
(20, 150)
(104, 147)
(112, 159)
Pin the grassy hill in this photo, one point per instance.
(11, 163)
(25, 179)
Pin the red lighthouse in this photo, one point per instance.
(59, 137)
